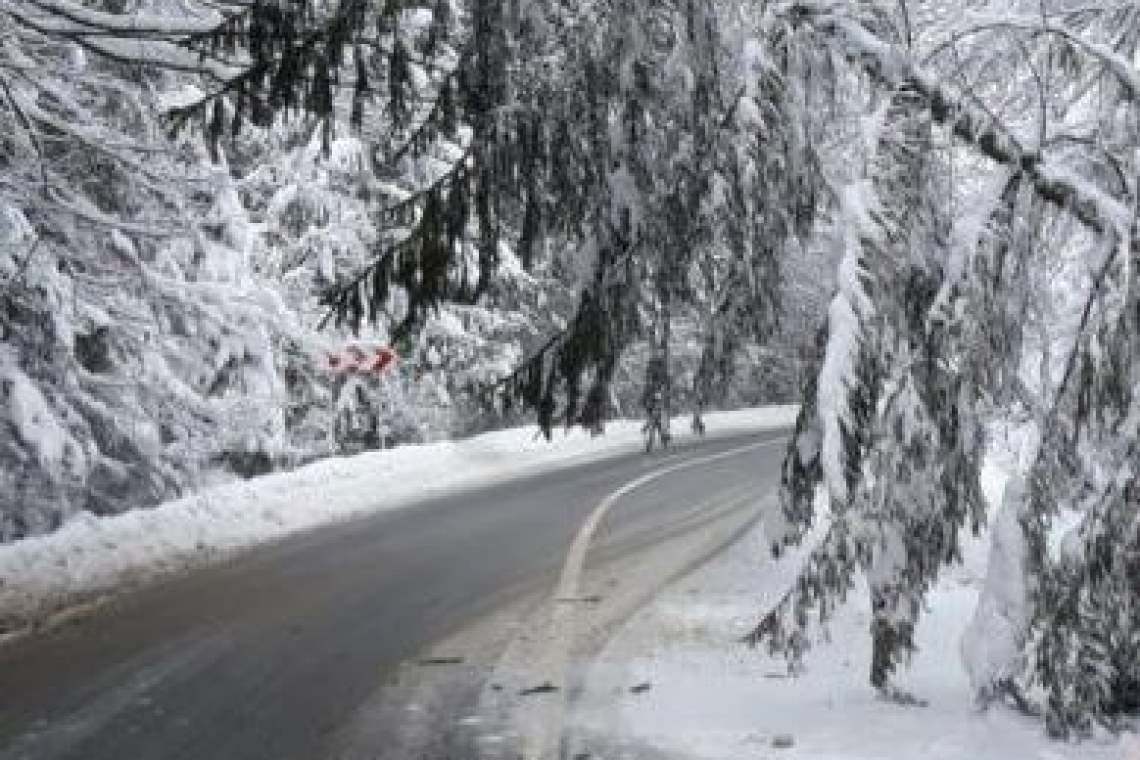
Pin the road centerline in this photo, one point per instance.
(543, 737)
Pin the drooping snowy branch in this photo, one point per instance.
(894, 68)
(934, 347)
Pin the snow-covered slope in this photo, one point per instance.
(703, 695)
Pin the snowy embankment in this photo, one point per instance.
(92, 556)
(677, 683)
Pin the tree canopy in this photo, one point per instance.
(973, 170)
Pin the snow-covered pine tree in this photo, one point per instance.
(673, 231)
(1084, 627)
(893, 429)
(88, 198)
(158, 330)
(603, 141)
(617, 136)
(899, 409)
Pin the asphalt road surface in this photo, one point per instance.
(267, 656)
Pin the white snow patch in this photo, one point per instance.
(713, 698)
(33, 420)
(993, 642)
(847, 308)
(89, 556)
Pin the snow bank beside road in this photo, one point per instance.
(677, 683)
(91, 556)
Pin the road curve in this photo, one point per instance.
(267, 656)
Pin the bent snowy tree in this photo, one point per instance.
(932, 335)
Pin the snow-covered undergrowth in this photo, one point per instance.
(161, 301)
(201, 360)
(89, 555)
(711, 697)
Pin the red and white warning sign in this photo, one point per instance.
(361, 360)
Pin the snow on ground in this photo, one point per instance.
(90, 556)
(710, 697)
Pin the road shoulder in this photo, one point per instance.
(520, 700)
(676, 683)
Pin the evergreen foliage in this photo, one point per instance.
(610, 131)
(159, 309)
(927, 344)
(983, 206)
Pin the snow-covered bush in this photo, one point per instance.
(160, 318)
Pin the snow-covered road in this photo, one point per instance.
(269, 654)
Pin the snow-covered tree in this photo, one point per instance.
(162, 293)
(948, 319)
(537, 200)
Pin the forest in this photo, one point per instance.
(919, 219)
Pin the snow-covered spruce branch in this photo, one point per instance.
(91, 140)
(554, 342)
(168, 50)
(1117, 65)
(973, 124)
(414, 198)
(1055, 414)
(1055, 420)
(895, 68)
(903, 505)
(65, 18)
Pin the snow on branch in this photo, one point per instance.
(64, 17)
(121, 41)
(1117, 65)
(845, 314)
(896, 68)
